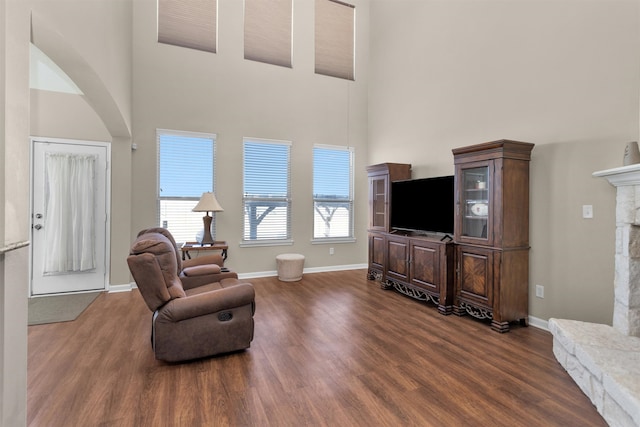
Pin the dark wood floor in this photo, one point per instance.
(331, 350)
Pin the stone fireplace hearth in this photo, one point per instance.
(605, 360)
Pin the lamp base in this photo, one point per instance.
(207, 239)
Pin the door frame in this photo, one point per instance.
(107, 237)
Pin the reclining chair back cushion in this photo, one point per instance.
(154, 268)
(169, 236)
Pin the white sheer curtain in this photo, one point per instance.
(69, 218)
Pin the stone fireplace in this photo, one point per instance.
(605, 360)
(626, 308)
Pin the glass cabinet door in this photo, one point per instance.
(378, 203)
(475, 202)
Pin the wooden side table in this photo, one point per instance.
(195, 246)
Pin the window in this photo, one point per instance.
(188, 23)
(335, 45)
(267, 31)
(267, 199)
(185, 171)
(332, 192)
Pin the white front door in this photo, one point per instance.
(69, 191)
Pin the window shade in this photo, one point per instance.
(266, 199)
(186, 163)
(332, 192)
(334, 34)
(267, 31)
(188, 23)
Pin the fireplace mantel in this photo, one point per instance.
(625, 175)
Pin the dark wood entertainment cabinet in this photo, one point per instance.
(484, 272)
(419, 266)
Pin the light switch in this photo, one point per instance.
(587, 211)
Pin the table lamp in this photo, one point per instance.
(207, 203)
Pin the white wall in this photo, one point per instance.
(183, 89)
(65, 115)
(14, 218)
(562, 74)
(91, 42)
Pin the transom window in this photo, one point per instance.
(332, 192)
(335, 39)
(185, 171)
(267, 31)
(266, 191)
(189, 24)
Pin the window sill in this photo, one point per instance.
(257, 243)
(333, 240)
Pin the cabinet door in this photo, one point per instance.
(474, 211)
(376, 251)
(475, 276)
(425, 266)
(376, 257)
(378, 199)
(398, 259)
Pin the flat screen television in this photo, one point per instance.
(423, 205)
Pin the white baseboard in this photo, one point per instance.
(539, 323)
(273, 273)
(335, 268)
(122, 288)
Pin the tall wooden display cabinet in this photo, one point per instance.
(492, 232)
(380, 177)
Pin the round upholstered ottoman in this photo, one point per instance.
(290, 267)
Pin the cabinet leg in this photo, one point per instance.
(374, 275)
(385, 285)
(501, 327)
(459, 311)
(445, 309)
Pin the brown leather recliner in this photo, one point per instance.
(200, 321)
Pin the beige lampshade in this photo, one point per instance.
(208, 203)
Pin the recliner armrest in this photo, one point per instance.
(204, 259)
(200, 270)
(190, 282)
(208, 302)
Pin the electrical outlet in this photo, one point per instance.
(540, 291)
(587, 211)
(330, 251)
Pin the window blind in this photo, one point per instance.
(186, 163)
(188, 23)
(332, 192)
(267, 31)
(267, 187)
(334, 39)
